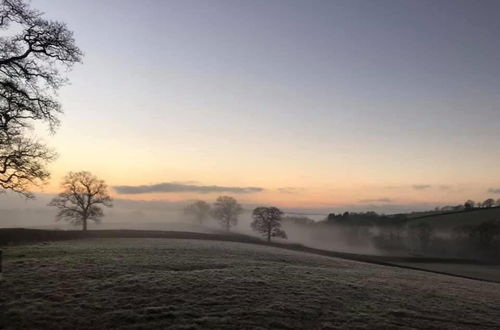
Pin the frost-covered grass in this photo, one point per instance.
(160, 283)
(485, 272)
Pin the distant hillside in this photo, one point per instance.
(454, 219)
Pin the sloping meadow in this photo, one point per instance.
(180, 283)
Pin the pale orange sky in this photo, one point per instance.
(338, 101)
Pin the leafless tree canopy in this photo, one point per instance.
(32, 51)
(81, 199)
(226, 210)
(23, 164)
(199, 210)
(267, 221)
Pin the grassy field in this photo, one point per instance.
(455, 219)
(181, 283)
(477, 271)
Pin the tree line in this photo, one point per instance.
(416, 233)
(471, 205)
(226, 209)
(83, 195)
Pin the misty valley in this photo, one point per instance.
(249, 164)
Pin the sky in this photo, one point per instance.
(293, 103)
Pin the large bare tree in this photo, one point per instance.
(267, 221)
(81, 199)
(33, 50)
(226, 210)
(22, 164)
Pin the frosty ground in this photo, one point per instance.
(161, 283)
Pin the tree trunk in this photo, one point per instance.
(228, 226)
(84, 224)
(269, 235)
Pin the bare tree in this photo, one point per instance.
(80, 201)
(469, 204)
(22, 164)
(226, 210)
(267, 221)
(490, 202)
(32, 51)
(199, 210)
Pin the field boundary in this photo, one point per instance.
(454, 212)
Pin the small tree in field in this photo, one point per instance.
(267, 221)
(226, 210)
(80, 201)
(199, 210)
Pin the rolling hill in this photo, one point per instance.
(198, 284)
(454, 219)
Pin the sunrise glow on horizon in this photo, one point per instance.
(315, 104)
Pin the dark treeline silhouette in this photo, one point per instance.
(418, 234)
(471, 205)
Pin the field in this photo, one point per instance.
(451, 220)
(184, 283)
(477, 271)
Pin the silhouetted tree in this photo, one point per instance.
(199, 210)
(226, 210)
(80, 201)
(490, 202)
(267, 221)
(469, 205)
(32, 50)
(23, 164)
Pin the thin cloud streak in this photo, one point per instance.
(376, 200)
(421, 186)
(174, 187)
(290, 190)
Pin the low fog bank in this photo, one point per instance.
(164, 215)
(457, 235)
(125, 214)
(472, 235)
(309, 234)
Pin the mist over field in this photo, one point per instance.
(161, 215)
(16, 211)
(373, 237)
(259, 164)
(164, 215)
